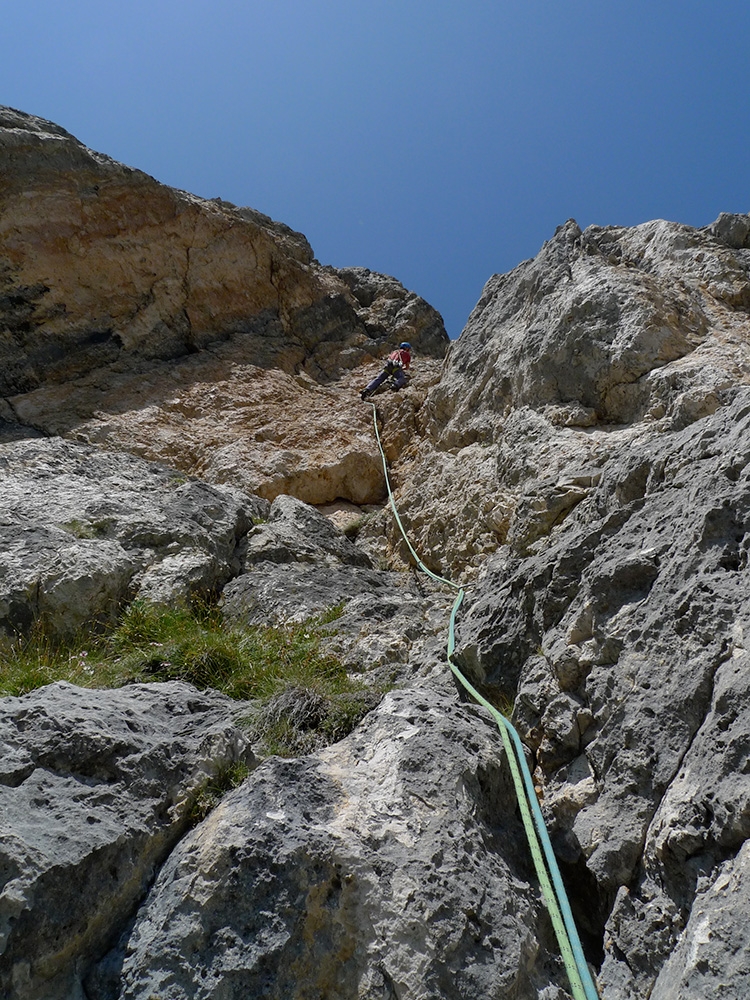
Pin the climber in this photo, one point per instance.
(396, 366)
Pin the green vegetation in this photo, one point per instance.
(210, 794)
(301, 697)
(87, 529)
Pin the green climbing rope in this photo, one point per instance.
(545, 864)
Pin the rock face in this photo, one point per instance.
(390, 866)
(96, 788)
(189, 331)
(582, 461)
(600, 391)
(604, 335)
(85, 531)
(624, 638)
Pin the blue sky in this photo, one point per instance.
(440, 142)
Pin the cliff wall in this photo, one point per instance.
(181, 382)
(143, 318)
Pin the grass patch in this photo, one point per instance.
(30, 661)
(86, 529)
(209, 795)
(303, 697)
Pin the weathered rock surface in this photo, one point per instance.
(615, 612)
(85, 531)
(582, 461)
(596, 327)
(713, 955)
(605, 329)
(296, 531)
(298, 565)
(189, 331)
(96, 788)
(389, 866)
(220, 416)
(624, 637)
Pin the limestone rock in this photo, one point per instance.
(388, 866)
(713, 955)
(733, 230)
(599, 319)
(99, 259)
(391, 313)
(702, 818)
(597, 402)
(390, 626)
(637, 604)
(96, 788)
(279, 593)
(605, 334)
(85, 531)
(295, 531)
(298, 565)
(228, 421)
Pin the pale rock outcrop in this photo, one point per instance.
(606, 334)
(85, 531)
(391, 314)
(389, 866)
(595, 329)
(222, 418)
(615, 614)
(96, 788)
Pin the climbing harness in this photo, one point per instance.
(545, 863)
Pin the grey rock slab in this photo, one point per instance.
(732, 229)
(84, 530)
(396, 630)
(297, 532)
(390, 865)
(277, 593)
(703, 819)
(713, 956)
(623, 635)
(96, 787)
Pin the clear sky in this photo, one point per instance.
(440, 141)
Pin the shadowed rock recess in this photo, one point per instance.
(180, 383)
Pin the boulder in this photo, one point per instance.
(732, 230)
(297, 532)
(391, 865)
(85, 531)
(96, 788)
